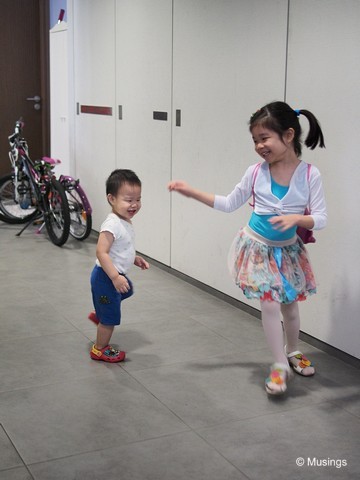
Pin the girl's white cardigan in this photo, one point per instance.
(302, 193)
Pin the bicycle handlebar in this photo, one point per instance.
(19, 125)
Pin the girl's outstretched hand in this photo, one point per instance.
(185, 189)
(181, 187)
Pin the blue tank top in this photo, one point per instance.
(260, 223)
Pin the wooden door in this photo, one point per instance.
(24, 39)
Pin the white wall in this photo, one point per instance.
(218, 61)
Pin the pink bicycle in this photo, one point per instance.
(32, 191)
(79, 205)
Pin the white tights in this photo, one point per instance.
(271, 320)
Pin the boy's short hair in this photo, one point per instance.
(118, 177)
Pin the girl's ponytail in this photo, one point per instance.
(315, 136)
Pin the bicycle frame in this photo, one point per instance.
(70, 183)
(19, 148)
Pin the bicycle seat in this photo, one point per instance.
(52, 161)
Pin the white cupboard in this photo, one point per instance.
(177, 81)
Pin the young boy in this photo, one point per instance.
(115, 253)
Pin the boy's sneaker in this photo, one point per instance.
(107, 354)
(92, 316)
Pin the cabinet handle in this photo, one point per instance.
(160, 116)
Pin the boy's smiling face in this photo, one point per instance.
(127, 201)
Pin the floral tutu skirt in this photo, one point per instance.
(267, 270)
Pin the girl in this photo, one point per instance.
(268, 260)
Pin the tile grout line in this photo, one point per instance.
(18, 453)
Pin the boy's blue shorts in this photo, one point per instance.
(107, 300)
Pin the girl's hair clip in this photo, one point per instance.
(297, 112)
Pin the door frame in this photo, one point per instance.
(44, 12)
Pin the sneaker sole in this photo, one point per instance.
(108, 360)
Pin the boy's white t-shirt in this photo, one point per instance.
(122, 251)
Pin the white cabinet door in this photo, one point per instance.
(94, 87)
(143, 86)
(229, 60)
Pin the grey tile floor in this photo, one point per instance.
(188, 404)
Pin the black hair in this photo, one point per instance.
(279, 117)
(118, 177)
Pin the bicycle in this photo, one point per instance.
(79, 205)
(31, 192)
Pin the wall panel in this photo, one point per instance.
(324, 77)
(229, 59)
(94, 85)
(143, 85)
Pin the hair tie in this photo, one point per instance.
(297, 112)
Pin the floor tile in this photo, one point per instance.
(64, 419)
(26, 320)
(21, 473)
(175, 457)
(221, 389)
(269, 446)
(45, 360)
(166, 342)
(9, 458)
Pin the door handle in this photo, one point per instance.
(36, 99)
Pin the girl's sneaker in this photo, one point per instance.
(107, 354)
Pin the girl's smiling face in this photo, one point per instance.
(127, 201)
(270, 146)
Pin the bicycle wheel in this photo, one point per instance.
(12, 210)
(80, 221)
(56, 214)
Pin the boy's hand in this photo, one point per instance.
(141, 263)
(121, 284)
